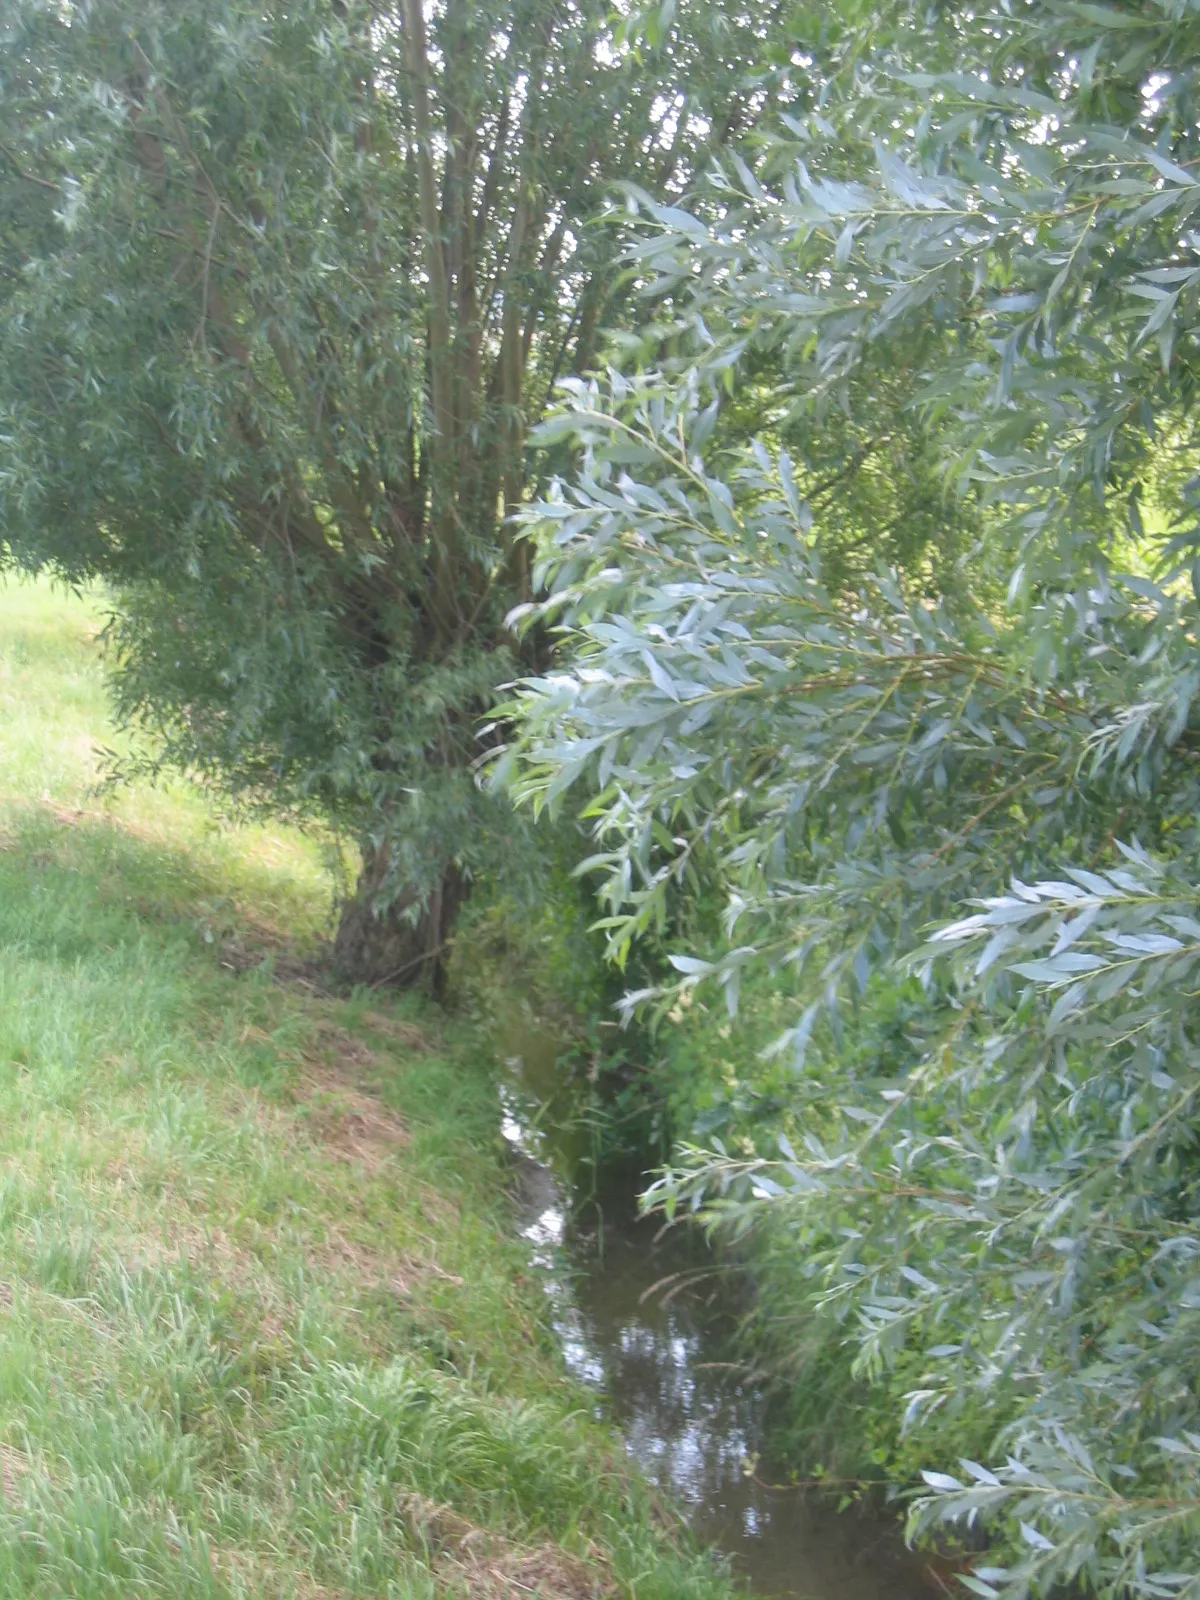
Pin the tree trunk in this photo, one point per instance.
(388, 947)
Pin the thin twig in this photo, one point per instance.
(27, 177)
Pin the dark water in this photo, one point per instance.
(645, 1318)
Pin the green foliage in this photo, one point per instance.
(278, 292)
(533, 950)
(529, 974)
(871, 472)
(986, 804)
(1010, 239)
(728, 1092)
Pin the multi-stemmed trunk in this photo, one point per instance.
(384, 939)
(326, 290)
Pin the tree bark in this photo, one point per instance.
(379, 942)
(443, 521)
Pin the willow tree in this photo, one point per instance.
(282, 286)
(986, 809)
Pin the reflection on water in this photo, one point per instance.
(653, 1352)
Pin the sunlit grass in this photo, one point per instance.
(55, 732)
(261, 1317)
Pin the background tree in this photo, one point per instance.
(989, 805)
(282, 286)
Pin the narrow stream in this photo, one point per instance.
(645, 1318)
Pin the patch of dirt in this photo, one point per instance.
(332, 1112)
(71, 817)
(333, 1106)
(402, 1033)
(341, 1255)
(351, 1126)
(352, 1123)
(335, 1256)
(264, 1576)
(345, 1049)
(373, 1270)
(474, 1562)
(208, 1247)
(15, 1466)
(289, 970)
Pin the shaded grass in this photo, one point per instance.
(258, 1295)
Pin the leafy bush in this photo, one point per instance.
(989, 804)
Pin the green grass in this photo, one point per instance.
(263, 1327)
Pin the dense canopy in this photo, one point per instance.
(972, 804)
(279, 287)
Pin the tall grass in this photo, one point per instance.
(258, 1292)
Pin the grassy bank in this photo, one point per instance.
(263, 1330)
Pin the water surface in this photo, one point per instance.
(645, 1317)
